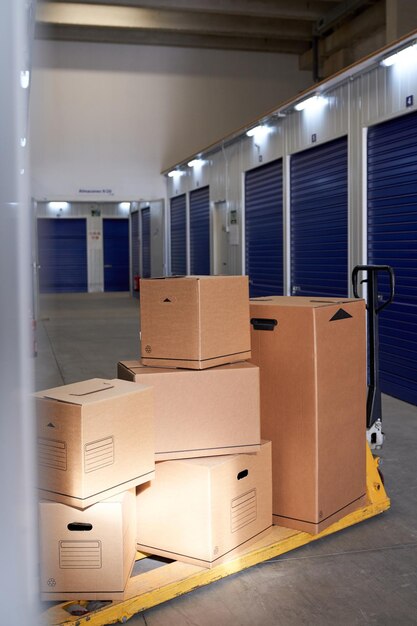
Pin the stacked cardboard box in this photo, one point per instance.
(197, 407)
(212, 491)
(95, 444)
(193, 406)
(312, 358)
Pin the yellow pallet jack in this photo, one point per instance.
(174, 579)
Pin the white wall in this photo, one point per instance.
(111, 117)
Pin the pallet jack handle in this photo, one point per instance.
(373, 404)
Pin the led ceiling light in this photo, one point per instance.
(24, 79)
(124, 206)
(404, 55)
(258, 131)
(58, 205)
(175, 173)
(314, 102)
(196, 163)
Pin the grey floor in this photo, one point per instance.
(366, 574)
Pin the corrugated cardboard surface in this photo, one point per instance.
(313, 405)
(199, 510)
(194, 321)
(95, 439)
(201, 413)
(92, 562)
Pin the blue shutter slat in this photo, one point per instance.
(200, 231)
(178, 236)
(392, 240)
(62, 253)
(146, 242)
(319, 220)
(263, 228)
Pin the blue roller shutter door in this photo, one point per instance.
(200, 231)
(392, 240)
(146, 242)
(134, 246)
(178, 236)
(62, 255)
(263, 229)
(319, 220)
(116, 254)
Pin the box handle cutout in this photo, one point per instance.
(79, 526)
(263, 323)
(242, 474)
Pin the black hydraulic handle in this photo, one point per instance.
(263, 323)
(374, 269)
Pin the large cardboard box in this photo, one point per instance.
(201, 510)
(201, 413)
(87, 554)
(312, 358)
(95, 439)
(194, 321)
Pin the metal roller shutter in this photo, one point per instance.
(200, 231)
(178, 236)
(116, 254)
(263, 229)
(62, 255)
(319, 220)
(134, 246)
(392, 240)
(146, 242)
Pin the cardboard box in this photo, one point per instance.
(200, 510)
(95, 439)
(87, 554)
(201, 413)
(312, 358)
(194, 321)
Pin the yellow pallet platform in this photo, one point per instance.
(174, 579)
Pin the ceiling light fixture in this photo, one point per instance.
(406, 54)
(196, 163)
(258, 131)
(54, 206)
(175, 173)
(24, 79)
(313, 102)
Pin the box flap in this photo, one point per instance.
(84, 392)
(131, 365)
(302, 301)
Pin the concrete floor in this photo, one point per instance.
(366, 574)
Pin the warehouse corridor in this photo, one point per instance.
(363, 575)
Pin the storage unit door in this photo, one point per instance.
(392, 240)
(200, 231)
(134, 246)
(263, 229)
(62, 255)
(178, 236)
(116, 254)
(319, 220)
(146, 242)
